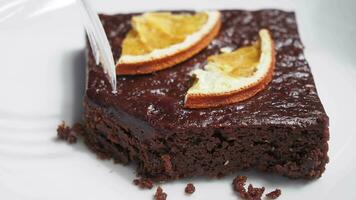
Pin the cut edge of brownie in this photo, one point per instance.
(216, 154)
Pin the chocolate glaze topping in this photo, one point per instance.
(156, 100)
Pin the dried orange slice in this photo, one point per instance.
(160, 40)
(235, 76)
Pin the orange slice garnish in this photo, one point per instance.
(161, 39)
(235, 76)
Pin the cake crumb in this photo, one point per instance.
(69, 134)
(143, 183)
(63, 131)
(255, 193)
(160, 195)
(274, 194)
(239, 184)
(252, 193)
(190, 188)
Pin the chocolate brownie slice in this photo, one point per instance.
(283, 129)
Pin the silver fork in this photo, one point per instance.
(98, 42)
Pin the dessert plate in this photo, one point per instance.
(42, 82)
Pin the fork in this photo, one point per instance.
(98, 42)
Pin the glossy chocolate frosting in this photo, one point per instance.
(154, 102)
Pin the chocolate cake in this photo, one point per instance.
(283, 129)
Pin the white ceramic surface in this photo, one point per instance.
(42, 83)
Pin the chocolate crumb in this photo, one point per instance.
(64, 133)
(69, 134)
(143, 183)
(255, 192)
(239, 184)
(190, 189)
(160, 195)
(274, 194)
(252, 193)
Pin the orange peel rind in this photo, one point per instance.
(224, 82)
(158, 59)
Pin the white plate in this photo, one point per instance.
(42, 83)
